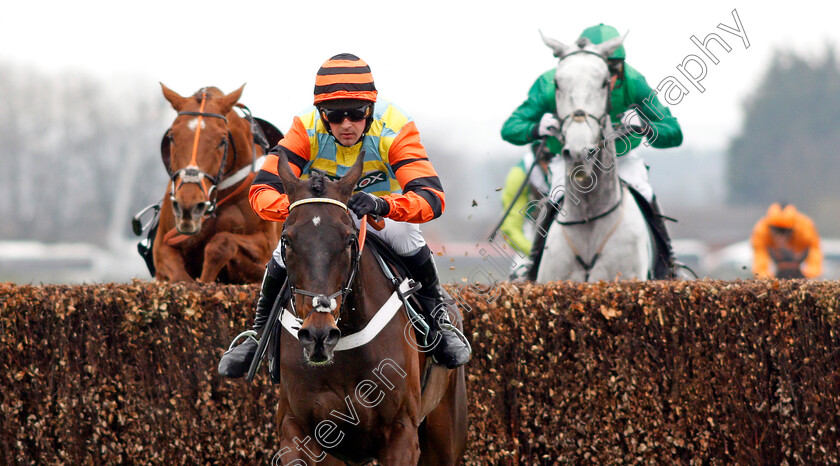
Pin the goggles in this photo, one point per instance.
(354, 114)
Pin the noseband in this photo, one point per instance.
(192, 174)
(322, 302)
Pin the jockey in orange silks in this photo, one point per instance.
(786, 245)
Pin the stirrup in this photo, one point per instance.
(252, 334)
(458, 333)
(677, 266)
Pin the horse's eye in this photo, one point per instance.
(223, 144)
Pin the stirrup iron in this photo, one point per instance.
(246, 334)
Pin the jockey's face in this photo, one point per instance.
(616, 71)
(347, 119)
(781, 235)
(348, 132)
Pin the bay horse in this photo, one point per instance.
(208, 230)
(600, 232)
(353, 384)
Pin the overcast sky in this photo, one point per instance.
(460, 67)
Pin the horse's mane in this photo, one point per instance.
(317, 183)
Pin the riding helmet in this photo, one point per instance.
(344, 81)
(600, 33)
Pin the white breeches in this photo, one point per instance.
(405, 238)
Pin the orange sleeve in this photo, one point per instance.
(814, 260)
(267, 196)
(297, 142)
(423, 198)
(761, 258)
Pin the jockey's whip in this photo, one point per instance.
(519, 191)
(268, 330)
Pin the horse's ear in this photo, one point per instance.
(230, 100)
(174, 98)
(560, 49)
(607, 47)
(347, 183)
(290, 181)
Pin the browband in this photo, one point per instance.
(323, 200)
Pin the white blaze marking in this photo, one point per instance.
(316, 221)
(194, 122)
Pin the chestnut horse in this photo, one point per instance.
(354, 384)
(207, 229)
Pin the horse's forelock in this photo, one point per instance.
(317, 183)
(211, 91)
(582, 42)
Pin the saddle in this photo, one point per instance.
(263, 132)
(662, 262)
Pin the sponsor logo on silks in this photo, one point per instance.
(371, 179)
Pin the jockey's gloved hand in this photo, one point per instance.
(647, 129)
(637, 123)
(363, 203)
(549, 125)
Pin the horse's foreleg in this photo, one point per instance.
(227, 247)
(299, 448)
(444, 431)
(403, 444)
(169, 264)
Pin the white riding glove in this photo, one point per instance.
(549, 124)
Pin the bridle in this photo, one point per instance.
(601, 124)
(322, 302)
(192, 174)
(601, 121)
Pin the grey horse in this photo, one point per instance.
(600, 232)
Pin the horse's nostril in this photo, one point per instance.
(199, 209)
(176, 208)
(333, 337)
(305, 336)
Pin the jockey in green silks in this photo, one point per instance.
(536, 118)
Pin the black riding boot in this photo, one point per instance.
(452, 350)
(539, 239)
(236, 361)
(666, 263)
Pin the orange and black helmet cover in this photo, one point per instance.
(344, 76)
